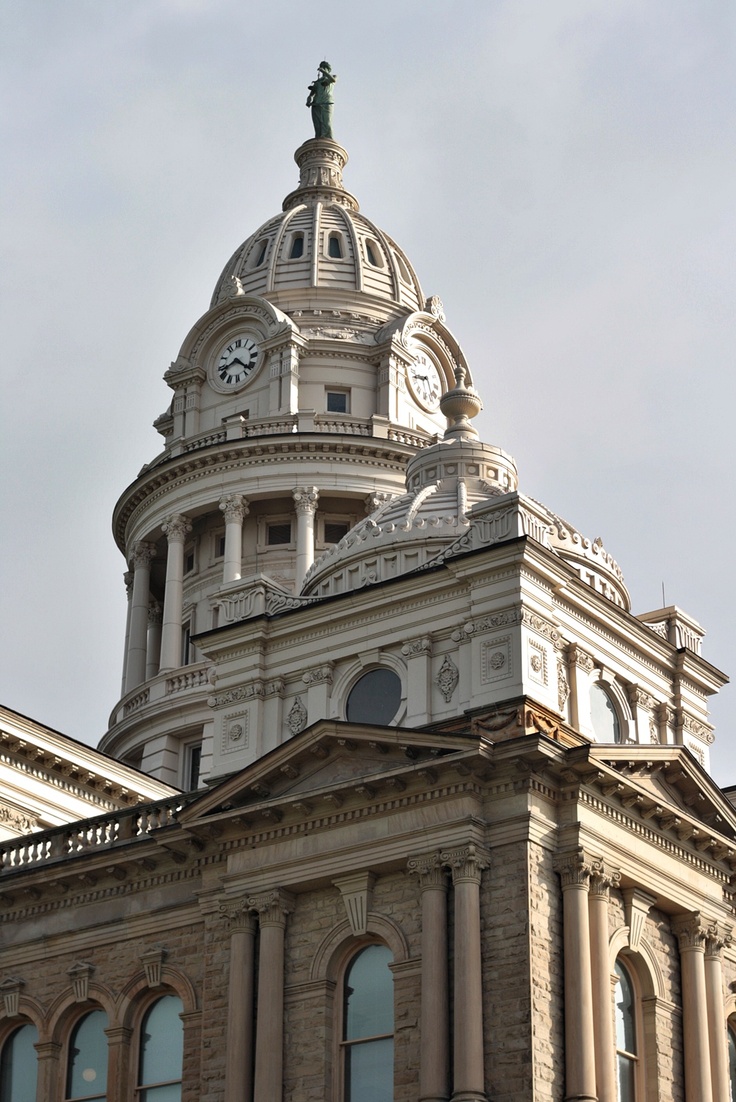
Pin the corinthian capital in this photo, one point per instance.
(574, 869)
(305, 499)
(429, 870)
(465, 863)
(143, 555)
(176, 528)
(690, 930)
(239, 915)
(234, 507)
(272, 907)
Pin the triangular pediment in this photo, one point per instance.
(663, 783)
(330, 759)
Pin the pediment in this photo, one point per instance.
(663, 783)
(328, 759)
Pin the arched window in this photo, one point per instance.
(368, 1027)
(86, 1076)
(732, 1060)
(161, 1052)
(603, 715)
(19, 1066)
(627, 1058)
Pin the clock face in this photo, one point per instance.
(237, 361)
(425, 381)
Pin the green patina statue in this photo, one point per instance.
(321, 101)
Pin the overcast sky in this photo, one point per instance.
(561, 173)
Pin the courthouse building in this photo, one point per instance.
(401, 799)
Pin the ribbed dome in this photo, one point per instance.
(321, 245)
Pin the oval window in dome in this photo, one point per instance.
(375, 697)
(403, 270)
(603, 715)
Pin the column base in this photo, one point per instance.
(471, 1096)
(581, 1098)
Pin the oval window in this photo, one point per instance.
(603, 715)
(374, 698)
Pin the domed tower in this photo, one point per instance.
(298, 399)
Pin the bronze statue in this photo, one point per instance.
(321, 101)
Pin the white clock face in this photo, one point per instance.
(237, 361)
(425, 381)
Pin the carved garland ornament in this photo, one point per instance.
(296, 720)
(447, 679)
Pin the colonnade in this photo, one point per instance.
(153, 636)
(590, 1048)
(254, 1069)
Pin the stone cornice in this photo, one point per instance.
(219, 458)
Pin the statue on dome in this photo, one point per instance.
(321, 101)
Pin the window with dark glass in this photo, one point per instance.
(278, 534)
(19, 1066)
(262, 254)
(626, 1040)
(188, 560)
(337, 401)
(194, 763)
(368, 1027)
(370, 253)
(375, 697)
(334, 248)
(186, 644)
(297, 247)
(86, 1076)
(603, 715)
(161, 1052)
(335, 531)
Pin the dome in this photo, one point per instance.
(321, 249)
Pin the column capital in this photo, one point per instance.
(690, 931)
(466, 863)
(155, 613)
(176, 528)
(238, 913)
(272, 907)
(235, 507)
(602, 877)
(375, 501)
(128, 580)
(143, 554)
(579, 658)
(430, 871)
(305, 499)
(574, 869)
(718, 937)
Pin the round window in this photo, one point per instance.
(375, 697)
(603, 715)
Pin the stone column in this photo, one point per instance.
(714, 943)
(49, 1079)
(153, 649)
(135, 670)
(128, 579)
(691, 937)
(466, 865)
(305, 501)
(574, 870)
(272, 908)
(235, 509)
(239, 1058)
(605, 1045)
(434, 1056)
(176, 527)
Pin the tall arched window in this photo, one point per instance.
(368, 1027)
(603, 715)
(161, 1052)
(732, 1060)
(627, 1058)
(19, 1066)
(86, 1076)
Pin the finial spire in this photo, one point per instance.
(320, 99)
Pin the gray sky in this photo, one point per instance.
(562, 174)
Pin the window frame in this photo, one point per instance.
(340, 1014)
(66, 1068)
(22, 1022)
(337, 392)
(638, 1057)
(146, 1005)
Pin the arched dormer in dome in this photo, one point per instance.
(322, 250)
